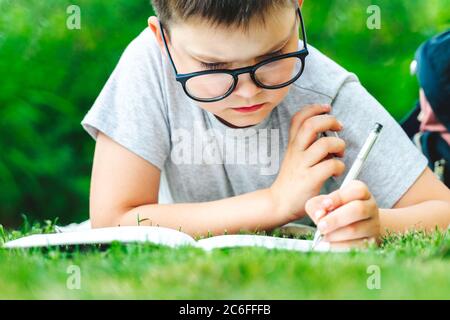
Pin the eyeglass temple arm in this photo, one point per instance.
(167, 48)
(303, 28)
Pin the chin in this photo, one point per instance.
(247, 121)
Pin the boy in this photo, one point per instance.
(173, 91)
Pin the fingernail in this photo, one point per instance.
(327, 203)
(341, 124)
(322, 225)
(319, 214)
(326, 106)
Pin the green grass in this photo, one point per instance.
(414, 265)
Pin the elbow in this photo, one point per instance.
(97, 222)
(105, 218)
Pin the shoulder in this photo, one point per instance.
(142, 75)
(143, 51)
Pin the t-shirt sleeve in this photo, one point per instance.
(394, 163)
(131, 107)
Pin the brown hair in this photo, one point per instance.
(236, 13)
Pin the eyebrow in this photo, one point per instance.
(278, 46)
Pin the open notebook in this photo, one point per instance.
(161, 236)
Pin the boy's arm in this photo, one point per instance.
(251, 211)
(116, 200)
(426, 205)
(427, 215)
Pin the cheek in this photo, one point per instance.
(213, 107)
(275, 97)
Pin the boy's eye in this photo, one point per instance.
(216, 66)
(212, 66)
(273, 54)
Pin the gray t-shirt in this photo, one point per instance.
(145, 110)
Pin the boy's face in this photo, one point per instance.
(195, 42)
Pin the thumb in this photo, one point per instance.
(318, 207)
(321, 205)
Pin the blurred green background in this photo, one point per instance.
(50, 76)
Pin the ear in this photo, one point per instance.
(153, 24)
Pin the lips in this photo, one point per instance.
(249, 108)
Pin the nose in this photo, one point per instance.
(246, 88)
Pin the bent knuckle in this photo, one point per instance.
(336, 143)
(336, 164)
(313, 106)
(324, 143)
(360, 189)
(331, 118)
(339, 165)
(308, 125)
(342, 143)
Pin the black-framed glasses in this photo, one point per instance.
(273, 73)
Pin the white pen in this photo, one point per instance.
(356, 167)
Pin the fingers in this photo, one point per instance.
(322, 148)
(350, 204)
(327, 168)
(350, 213)
(316, 207)
(355, 190)
(313, 126)
(307, 112)
(354, 231)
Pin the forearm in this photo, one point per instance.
(423, 216)
(250, 211)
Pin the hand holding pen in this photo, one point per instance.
(348, 216)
